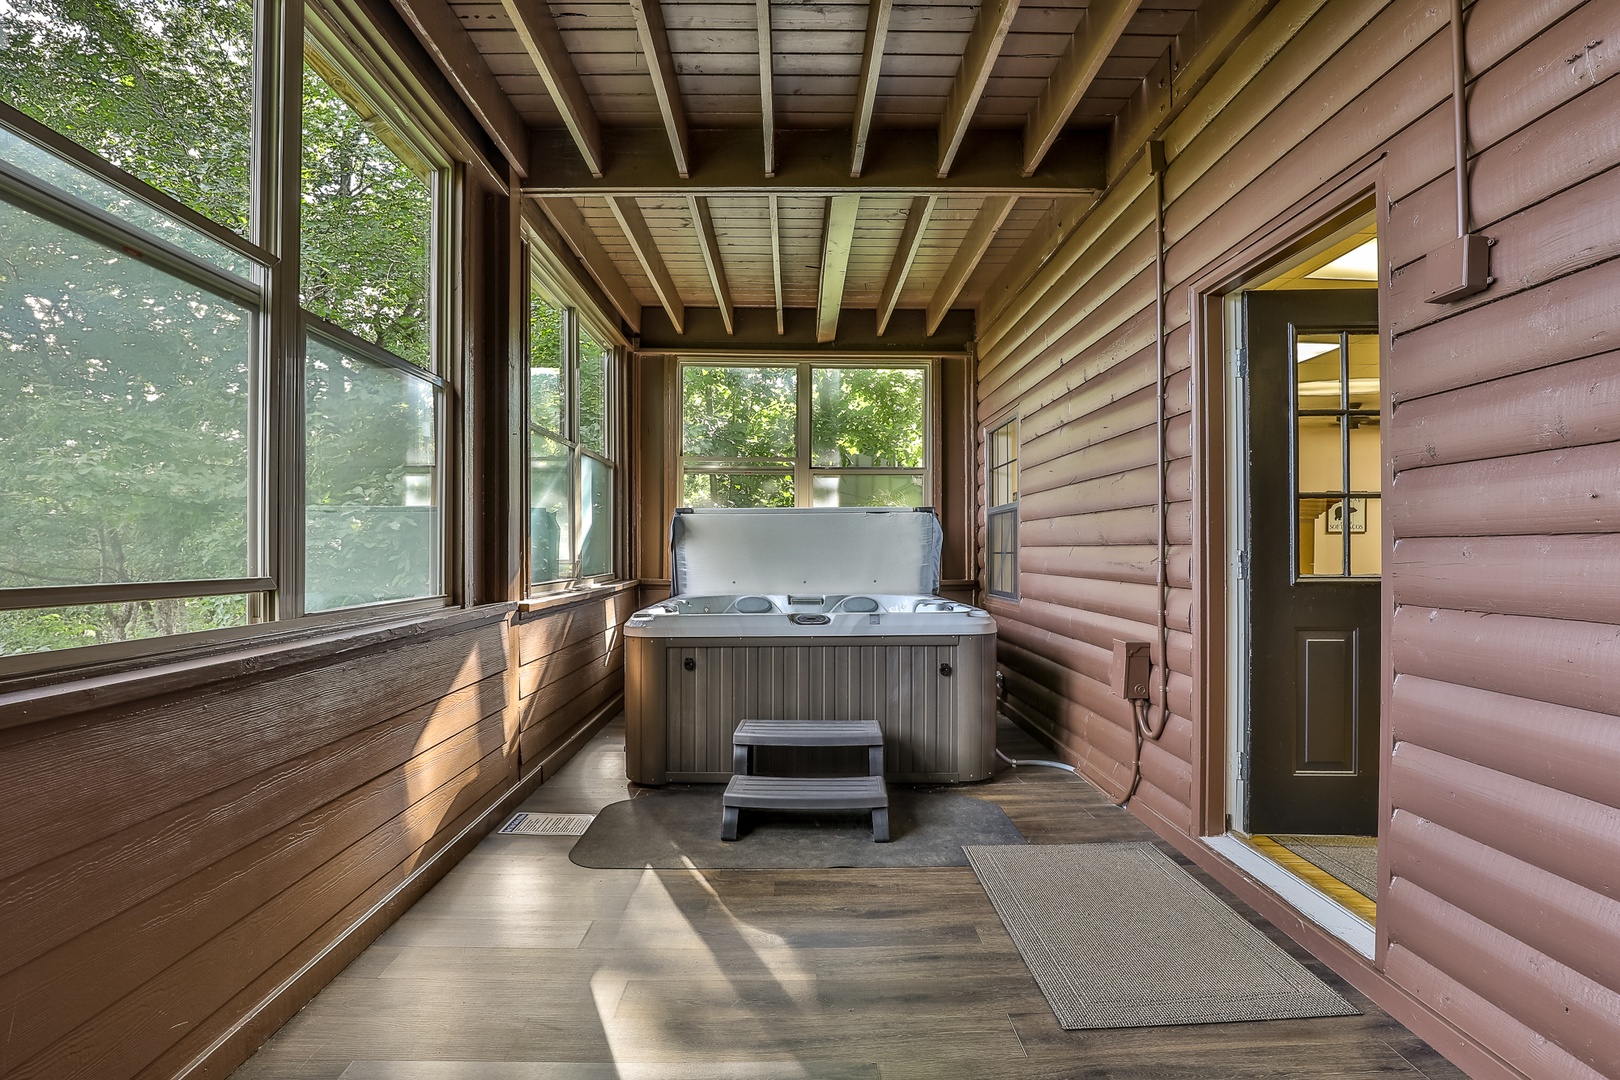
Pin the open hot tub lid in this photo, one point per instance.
(816, 550)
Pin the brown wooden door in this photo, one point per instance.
(1315, 551)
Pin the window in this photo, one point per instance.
(572, 451)
(1001, 546)
(151, 390)
(804, 435)
(372, 527)
(1338, 467)
(126, 480)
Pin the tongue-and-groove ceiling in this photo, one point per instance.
(824, 155)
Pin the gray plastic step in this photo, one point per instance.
(807, 733)
(805, 793)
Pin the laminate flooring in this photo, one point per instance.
(520, 965)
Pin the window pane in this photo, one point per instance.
(1366, 456)
(367, 219)
(124, 449)
(1004, 464)
(1321, 537)
(1321, 457)
(46, 629)
(1317, 362)
(1366, 536)
(372, 517)
(1001, 557)
(595, 517)
(731, 412)
(867, 418)
(161, 88)
(546, 402)
(70, 179)
(593, 376)
(737, 489)
(551, 528)
(869, 490)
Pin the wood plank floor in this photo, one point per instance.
(520, 965)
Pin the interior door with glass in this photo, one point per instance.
(1315, 549)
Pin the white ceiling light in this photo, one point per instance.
(1357, 264)
(1307, 350)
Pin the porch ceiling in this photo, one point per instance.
(827, 154)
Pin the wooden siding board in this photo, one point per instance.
(1574, 1012)
(54, 993)
(208, 978)
(117, 772)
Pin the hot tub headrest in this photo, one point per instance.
(825, 549)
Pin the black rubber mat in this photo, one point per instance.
(680, 826)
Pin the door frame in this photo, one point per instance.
(1219, 620)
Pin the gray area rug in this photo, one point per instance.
(1118, 935)
(680, 826)
(1351, 859)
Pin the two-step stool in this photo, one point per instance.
(749, 792)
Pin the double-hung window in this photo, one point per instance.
(804, 434)
(1001, 519)
(374, 413)
(182, 449)
(572, 444)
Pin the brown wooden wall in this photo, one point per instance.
(182, 871)
(1500, 823)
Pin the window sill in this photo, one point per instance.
(577, 595)
(70, 691)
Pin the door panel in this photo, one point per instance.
(1315, 546)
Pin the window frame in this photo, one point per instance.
(283, 33)
(1008, 510)
(539, 283)
(800, 468)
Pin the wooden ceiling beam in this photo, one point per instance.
(877, 31)
(776, 260)
(972, 249)
(628, 214)
(710, 245)
(983, 46)
(452, 48)
(917, 215)
(838, 236)
(767, 84)
(649, 16)
(1098, 33)
(538, 32)
(564, 214)
(815, 164)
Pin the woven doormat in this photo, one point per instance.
(1118, 935)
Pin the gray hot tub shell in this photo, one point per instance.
(825, 614)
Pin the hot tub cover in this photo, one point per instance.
(817, 550)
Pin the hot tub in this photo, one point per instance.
(823, 614)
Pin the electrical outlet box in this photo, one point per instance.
(1459, 270)
(1128, 674)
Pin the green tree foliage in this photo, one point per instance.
(365, 227)
(860, 418)
(734, 412)
(161, 88)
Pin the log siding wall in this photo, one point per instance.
(1499, 899)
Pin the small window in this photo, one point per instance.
(1001, 547)
(804, 435)
(571, 455)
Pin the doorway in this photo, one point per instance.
(1310, 511)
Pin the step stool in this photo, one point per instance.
(750, 792)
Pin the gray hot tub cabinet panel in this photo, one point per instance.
(933, 696)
